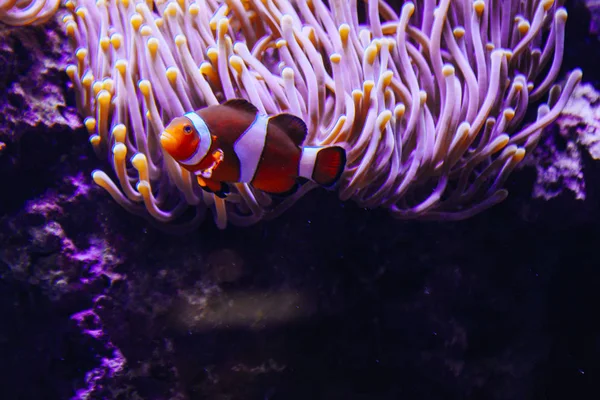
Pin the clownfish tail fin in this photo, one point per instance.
(323, 165)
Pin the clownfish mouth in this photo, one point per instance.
(168, 142)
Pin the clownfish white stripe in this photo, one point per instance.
(307, 162)
(249, 147)
(205, 139)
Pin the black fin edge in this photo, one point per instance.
(241, 104)
(222, 192)
(299, 135)
(287, 193)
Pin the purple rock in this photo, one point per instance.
(594, 7)
(33, 81)
(558, 159)
(36, 122)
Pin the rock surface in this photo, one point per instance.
(36, 124)
(559, 160)
(328, 301)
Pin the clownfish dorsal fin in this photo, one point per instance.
(241, 105)
(292, 125)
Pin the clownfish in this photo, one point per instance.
(233, 142)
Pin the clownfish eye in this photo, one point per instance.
(187, 129)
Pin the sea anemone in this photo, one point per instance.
(430, 103)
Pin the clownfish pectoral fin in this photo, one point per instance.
(242, 105)
(292, 125)
(220, 189)
(323, 165)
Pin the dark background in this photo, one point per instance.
(354, 304)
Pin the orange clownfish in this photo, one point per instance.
(233, 142)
